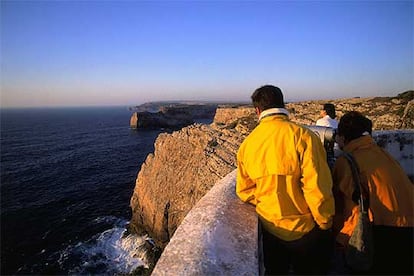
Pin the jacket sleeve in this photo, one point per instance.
(245, 187)
(317, 180)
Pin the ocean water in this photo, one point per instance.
(67, 175)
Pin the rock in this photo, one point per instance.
(161, 120)
(225, 115)
(173, 116)
(133, 122)
(182, 169)
(407, 118)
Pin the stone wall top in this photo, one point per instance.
(217, 237)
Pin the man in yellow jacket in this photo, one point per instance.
(283, 171)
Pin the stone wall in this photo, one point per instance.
(217, 237)
(400, 144)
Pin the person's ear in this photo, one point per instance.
(257, 111)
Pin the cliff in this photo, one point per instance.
(186, 163)
(181, 170)
(170, 115)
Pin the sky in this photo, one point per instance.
(92, 53)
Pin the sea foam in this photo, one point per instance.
(110, 252)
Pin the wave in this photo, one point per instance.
(110, 252)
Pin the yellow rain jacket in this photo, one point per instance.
(282, 169)
(391, 193)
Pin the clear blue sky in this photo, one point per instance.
(57, 53)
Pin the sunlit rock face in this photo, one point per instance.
(184, 166)
(187, 163)
(408, 115)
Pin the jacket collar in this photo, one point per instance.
(273, 111)
(361, 142)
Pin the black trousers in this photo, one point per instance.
(310, 254)
(393, 250)
(393, 253)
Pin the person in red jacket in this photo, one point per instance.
(391, 197)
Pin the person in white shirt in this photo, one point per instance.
(327, 119)
(328, 116)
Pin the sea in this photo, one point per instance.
(67, 176)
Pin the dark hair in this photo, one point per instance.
(353, 124)
(267, 96)
(330, 110)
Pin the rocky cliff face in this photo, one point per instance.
(183, 167)
(173, 116)
(186, 163)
